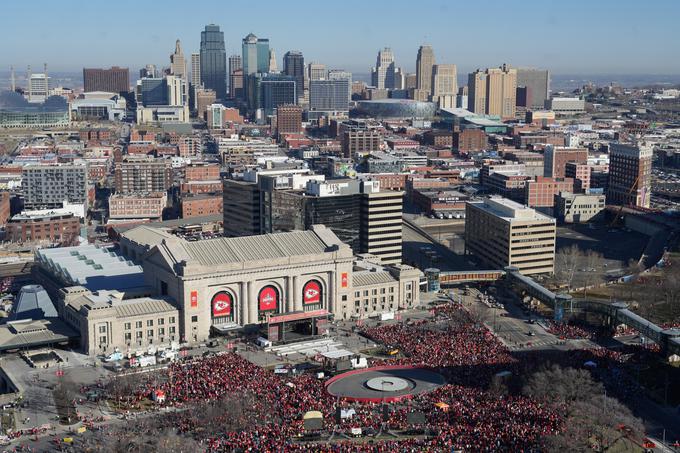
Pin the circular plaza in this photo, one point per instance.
(384, 383)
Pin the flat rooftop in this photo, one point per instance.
(510, 210)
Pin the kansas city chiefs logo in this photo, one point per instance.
(221, 305)
(311, 293)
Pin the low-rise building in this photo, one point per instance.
(137, 206)
(51, 228)
(578, 207)
(201, 205)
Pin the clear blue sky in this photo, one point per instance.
(568, 37)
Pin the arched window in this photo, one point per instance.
(312, 295)
(223, 308)
(268, 300)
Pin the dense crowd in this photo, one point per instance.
(474, 420)
(571, 330)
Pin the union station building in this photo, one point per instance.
(201, 288)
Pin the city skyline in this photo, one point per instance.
(561, 37)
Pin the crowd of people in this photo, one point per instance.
(462, 414)
(474, 420)
(571, 330)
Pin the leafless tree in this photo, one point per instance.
(563, 385)
(593, 420)
(566, 262)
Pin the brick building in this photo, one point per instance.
(541, 192)
(438, 138)
(201, 171)
(135, 174)
(580, 173)
(53, 228)
(5, 207)
(201, 205)
(555, 159)
(288, 119)
(471, 140)
(137, 206)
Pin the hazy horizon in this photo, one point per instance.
(576, 37)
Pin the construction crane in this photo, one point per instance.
(630, 191)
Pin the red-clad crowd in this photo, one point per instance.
(474, 419)
(571, 330)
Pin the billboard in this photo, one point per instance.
(222, 304)
(268, 299)
(311, 293)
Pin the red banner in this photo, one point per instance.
(221, 304)
(344, 279)
(311, 293)
(269, 298)
(194, 299)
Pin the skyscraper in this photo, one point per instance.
(538, 83)
(328, 96)
(317, 71)
(477, 92)
(255, 55)
(493, 92)
(294, 65)
(444, 85)
(424, 63)
(195, 69)
(178, 66)
(382, 75)
(214, 61)
(234, 65)
(341, 74)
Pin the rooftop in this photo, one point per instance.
(90, 266)
(510, 211)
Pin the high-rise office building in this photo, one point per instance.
(504, 233)
(382, 75)
(630, 174)
(288, 119)
(316, 71)
(236, 84)
(152, 91)
(113, 80)
(234, 64)
(268, 91)
(294, 66)
(328, 96)
(178, 65)
(341, 74)
(493, 92)
(255, 55)
(424, 63)
(195, 69)
(537, 81)
(213, 59)
(477, 92)
(444, 85)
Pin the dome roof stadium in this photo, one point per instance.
(394, 108)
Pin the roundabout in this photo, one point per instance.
(384, 383)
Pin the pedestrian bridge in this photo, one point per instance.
(615, 313)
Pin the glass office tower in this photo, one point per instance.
(214, 61)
